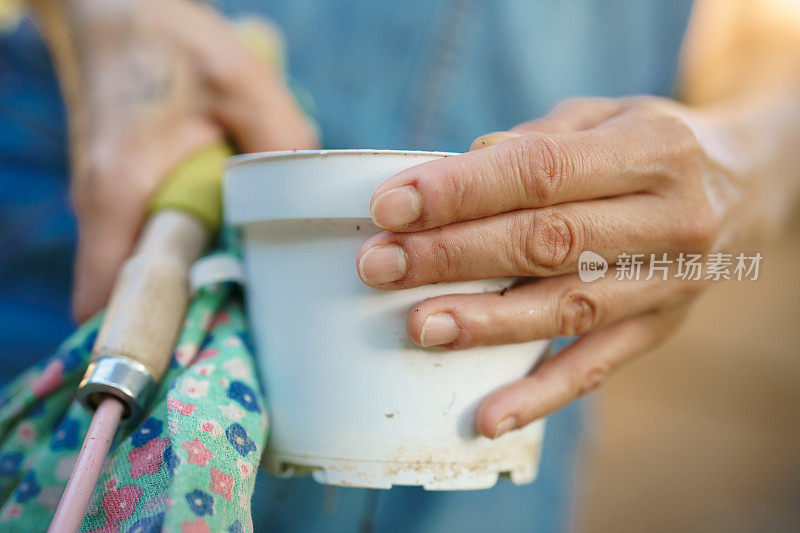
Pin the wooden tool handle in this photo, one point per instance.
(149, 300)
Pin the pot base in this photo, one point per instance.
(385, 474)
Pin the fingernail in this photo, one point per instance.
(505, 425)
(383, 264)
(397, 207)
(438, 330)
(490, 139)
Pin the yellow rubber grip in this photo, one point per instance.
(195, 186)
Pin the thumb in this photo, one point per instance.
(572, 115)
(490, 139)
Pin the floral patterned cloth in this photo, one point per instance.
(190, 464)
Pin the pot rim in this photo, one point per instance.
(257, 157)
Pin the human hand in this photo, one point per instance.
(634, 175)
(156, 81)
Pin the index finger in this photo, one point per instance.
(520, 173)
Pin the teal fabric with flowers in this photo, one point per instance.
(188, 466)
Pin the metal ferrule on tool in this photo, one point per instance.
(121, 377)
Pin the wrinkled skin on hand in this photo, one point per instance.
(635, 175)
(154, 81)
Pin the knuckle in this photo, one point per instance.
(677, 156)
(545, 164)
(698, 231)
(552, 240)
(685, 138)
(578, 313)
(592, 378)
(682, 152)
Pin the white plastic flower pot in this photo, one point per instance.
(351, 398)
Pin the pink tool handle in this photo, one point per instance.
(72, 507)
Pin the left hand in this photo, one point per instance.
(635, 175)
(150, 83)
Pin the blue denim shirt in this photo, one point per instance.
(434, 74)
(427, 74)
